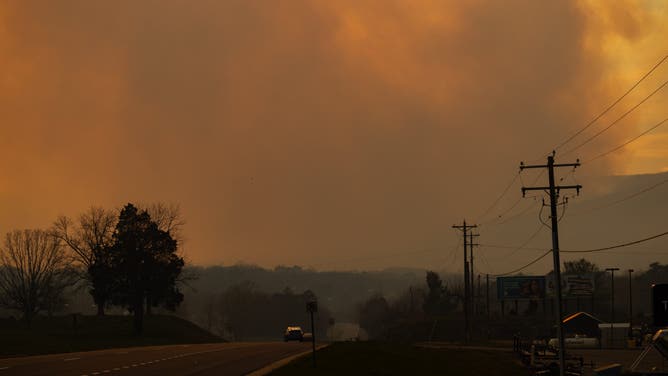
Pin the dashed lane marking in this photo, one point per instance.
(70, 359)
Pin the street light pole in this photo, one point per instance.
(630, 303)
(612, 302)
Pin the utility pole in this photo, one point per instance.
(472, 275)
(554, 196)
(467, 327)
(312, 307)
(630, 304)
(488, 315)
(612, 303)
(479, 295)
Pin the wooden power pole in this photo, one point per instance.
(554, 196)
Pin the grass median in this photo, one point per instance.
(383, 358)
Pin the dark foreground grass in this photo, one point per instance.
(380, 358)
(63, 334)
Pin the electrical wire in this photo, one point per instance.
(511, 247)
(500, 197)
(619, 245)
(613, 104)
(525, 266)
(532, 237)
(520, 214)
(584, 251)
(629, 141)
(618, 119)
(494, 221)
(626, 198)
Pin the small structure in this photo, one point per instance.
(581, 323)
(614, 335)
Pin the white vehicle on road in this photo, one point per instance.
(577, 342)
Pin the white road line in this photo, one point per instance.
(70, 359)
(117, 369)
(95, 373)
(3, 368)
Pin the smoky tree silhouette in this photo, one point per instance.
(144, 265)
(89, 239)
(438, 300)
(375, 316)
(246, 313)
(34, 272)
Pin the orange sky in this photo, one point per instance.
(324, 133)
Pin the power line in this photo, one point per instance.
(520, 214)
(532, 237)
(514, 205)
(613, 104)
(626, 198)
(500, 197)
(525, 266)
(618, 119)
(620, 245)
(629, 141)
(511, 247)
(585, 251)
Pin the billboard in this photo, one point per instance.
(660, 304)
(572, 285)
(520, 287)
(578, 285)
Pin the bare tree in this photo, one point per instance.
(168, 217)
(34, 271)
(89, 239)
(92, 232)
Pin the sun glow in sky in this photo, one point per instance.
(313, 132)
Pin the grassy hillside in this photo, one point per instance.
(62, 334)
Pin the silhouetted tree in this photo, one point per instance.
(580, 267)
(89, 238)
(34, 271)
(249, 313)
(145, 264)
(374, 316)
(437, 301)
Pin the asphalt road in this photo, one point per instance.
(203, 359)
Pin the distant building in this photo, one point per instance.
(581, 323)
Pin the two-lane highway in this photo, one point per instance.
(201, 359)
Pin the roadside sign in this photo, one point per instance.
(579, 285)
(312, 306)
(660, 304)
(520, 287)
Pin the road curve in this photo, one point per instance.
(201, 360)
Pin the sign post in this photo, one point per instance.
(312, 307)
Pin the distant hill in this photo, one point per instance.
(63, 334)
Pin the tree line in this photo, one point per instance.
(243, 312)
(127, 258)
(418, 308)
